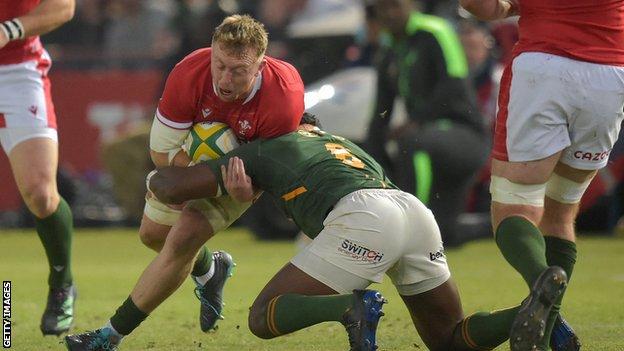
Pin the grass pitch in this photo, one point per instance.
(108, 262)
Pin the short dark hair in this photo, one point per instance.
(309, 118)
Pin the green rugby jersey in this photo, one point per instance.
(308, 172)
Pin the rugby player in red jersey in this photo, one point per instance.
(258, 97)
(560, 110)
(29, 138)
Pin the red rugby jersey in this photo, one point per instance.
(585, 30)
(18, 51)
(274, 108)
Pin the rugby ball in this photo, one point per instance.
(210, 140)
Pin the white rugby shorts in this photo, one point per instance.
(549, 103)
(374, 231)
(26, 109)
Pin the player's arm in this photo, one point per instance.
(488, 10)
(45, 17)
(174, 185)
(173, 119)
(166, 145)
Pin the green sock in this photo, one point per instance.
(290, 312)
(522, 245)
(55, 232)
(202, 263)
(562, 253)
(485, 330)
(127, 317)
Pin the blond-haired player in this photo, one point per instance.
(232, 82)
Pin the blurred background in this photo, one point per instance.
(110, 63)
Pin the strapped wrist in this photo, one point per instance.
(149, 178)
(13, 29)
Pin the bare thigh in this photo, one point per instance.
(530, 172)
(34, 163)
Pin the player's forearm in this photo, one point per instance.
(166, 145)
(48, 15)
(174, 185)
(161, 159)
(488, 10)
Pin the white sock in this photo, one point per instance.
(114, 332)
(204, 278)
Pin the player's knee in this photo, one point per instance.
(152, 239)
(258, 323)
(41, 199)
(185, 243)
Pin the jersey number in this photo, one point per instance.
(343, 154)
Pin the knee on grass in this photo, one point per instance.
(257, 321)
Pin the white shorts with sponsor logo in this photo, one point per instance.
(221, 211)
(550, 103)
(375, 231)
(26, 109)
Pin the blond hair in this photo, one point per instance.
(239, 32)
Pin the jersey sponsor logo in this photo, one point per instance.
(33, 109)
(206, 112)
(243, 126)
(359, 252)
(591, 156)
(435, 255)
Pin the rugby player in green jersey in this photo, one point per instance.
(362, 227)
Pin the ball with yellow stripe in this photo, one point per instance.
(210, 140)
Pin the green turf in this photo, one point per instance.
(108, 262)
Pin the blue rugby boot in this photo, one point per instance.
(58, 316)
(361, 320)
(210, 294)
(563, 337)
(104, 339)
(528, 327)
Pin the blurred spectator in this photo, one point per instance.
(485, 72)
(85, 29)
(362, 52)
(194, 24)
(442, 8)
(484, 69)
(139, 35)
(444, 143)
